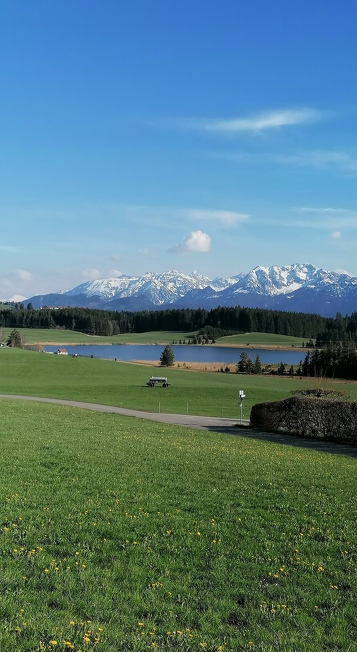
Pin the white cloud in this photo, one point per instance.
(327, 218)
(322, 159)
(5, 283)
(262, 121)
(342, 271)
(228, 218)
(24, 275)
(113, 273)
(197, 241)
(335, 235)
(331, 211)
(91, 274)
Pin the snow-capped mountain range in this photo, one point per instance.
(295, 288)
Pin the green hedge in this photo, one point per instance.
(308, 417)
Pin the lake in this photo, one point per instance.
(182, 353)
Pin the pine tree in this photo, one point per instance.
(281, 369)
(167, 357)
(14, 339)
(257, 366)
(245, 364)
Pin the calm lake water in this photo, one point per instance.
(182, 353)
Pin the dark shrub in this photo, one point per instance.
(308, 416)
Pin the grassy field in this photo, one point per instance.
(124, 384)
(261, 339)
(55, 336)
(125, 535)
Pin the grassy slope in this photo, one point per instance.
(118, 534)
(34, 336)
(124, 384)
(52, 335)
(263, 339)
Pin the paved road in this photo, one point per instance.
(216, 424)
(191, 421)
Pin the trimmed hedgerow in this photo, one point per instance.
(308, 416)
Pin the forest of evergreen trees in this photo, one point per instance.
(216, 322)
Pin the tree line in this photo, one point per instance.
(213, 323)
(336, 360)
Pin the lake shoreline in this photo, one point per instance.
(262, 347)
(183, 354)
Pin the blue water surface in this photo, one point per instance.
(182, 353)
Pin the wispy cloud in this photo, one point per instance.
(322, 159)
(228, 218)
(325, 218)
(167, 216)
(264, 121)
(5, 283)
(253, 123)
(91, 274)
(10, 282)
(24, 275)
(343, 271)
(197, 241)
(324, 211)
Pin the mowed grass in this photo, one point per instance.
(124, 384)
(120, 534)
(263, 339)
(58, 336)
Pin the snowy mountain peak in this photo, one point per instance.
(105, 287)
(298, 287)
(158, 288)
(277, 280)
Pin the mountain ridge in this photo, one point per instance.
(299, 287)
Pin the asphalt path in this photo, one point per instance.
(214, 424)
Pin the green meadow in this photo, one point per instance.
(124, 384)
(263, 339)
(58, 336)
(121, 534)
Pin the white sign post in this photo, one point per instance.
(241, 397)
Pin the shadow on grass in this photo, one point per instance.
(335, 448)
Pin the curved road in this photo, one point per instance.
(216, 424)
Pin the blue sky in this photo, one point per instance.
(208, 135)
